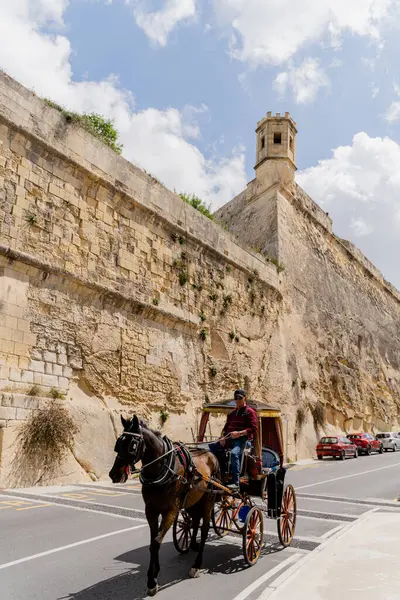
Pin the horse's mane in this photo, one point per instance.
(145, 426)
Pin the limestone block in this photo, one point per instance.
(58, 370)
(27, 377)
(8, 412)
(62, 359)
(37, 378)
(67, 372)
(50, 380)
(36, 354)
(49, 369)
(37, 366)
(50, 357)
(29, 338)
(15, 375)
(21, 349)
(63, 383)
(22, 414)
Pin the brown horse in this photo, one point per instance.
(171, 480)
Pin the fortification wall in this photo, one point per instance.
(342, 327)
(340, 322)
(115, 292)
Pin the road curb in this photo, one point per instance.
(288, 575)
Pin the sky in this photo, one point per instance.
(186, 81)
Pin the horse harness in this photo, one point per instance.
(167, 473)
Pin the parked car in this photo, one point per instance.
(366, 443)
(390, 441)
(336, 446)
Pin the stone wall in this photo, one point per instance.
(340, 322)
(113, 291)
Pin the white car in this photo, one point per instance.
(390, 440)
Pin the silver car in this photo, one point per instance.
(390, 440)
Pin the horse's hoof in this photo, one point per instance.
(194, 573)
(153, 591)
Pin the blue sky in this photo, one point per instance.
(187, 80)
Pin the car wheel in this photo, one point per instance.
(386, 449)
(320, 457)
(343, 455)
(368, 451)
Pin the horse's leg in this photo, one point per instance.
(196, 516)
(154, 567)
(207, 504)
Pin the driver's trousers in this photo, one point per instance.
(236, 446)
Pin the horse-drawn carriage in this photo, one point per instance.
(182, 484)
(262, 478)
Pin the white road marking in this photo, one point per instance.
(303, 487)
(91, 510)
(67, 547)
(253, 586)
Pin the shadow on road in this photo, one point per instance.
(222, 558)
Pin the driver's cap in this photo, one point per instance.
(239, 394)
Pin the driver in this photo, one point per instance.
(241, 425)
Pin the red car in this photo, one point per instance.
(339, 447)
(366, 443)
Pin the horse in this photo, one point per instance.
(171, 479)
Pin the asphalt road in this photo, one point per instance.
(90, 542)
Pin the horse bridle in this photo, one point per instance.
(135, 450)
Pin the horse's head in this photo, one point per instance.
(129, 448)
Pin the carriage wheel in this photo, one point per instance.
(287, 520)
(253, 532)
(222, 516)
(182, 531)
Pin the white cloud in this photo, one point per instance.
(158, 24)
(393, 112)
(360, 188)
(272, 31)
(305, 81)
(157, 140)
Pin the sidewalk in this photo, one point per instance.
(361, 563)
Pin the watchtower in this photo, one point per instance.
(276, 147)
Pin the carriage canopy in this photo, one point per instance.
(269, 424)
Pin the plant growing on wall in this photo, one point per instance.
(318, 415)
(164, 414)
(45, 437)
(183, 278)
(96, 124)
(198, 204)
(203, 334)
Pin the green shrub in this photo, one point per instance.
(198, 204)
(96, 124)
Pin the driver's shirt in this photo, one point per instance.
(241, 419)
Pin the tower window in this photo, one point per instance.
(262, 143)
(277, 138)
(291, 143)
